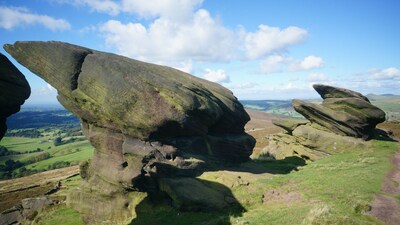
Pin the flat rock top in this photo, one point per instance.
(143, 100)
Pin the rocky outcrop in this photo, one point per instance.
(343, 121)
(14, 91)
(343, 112)
(146, 122)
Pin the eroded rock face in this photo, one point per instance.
(343, 112)
(339, 123)
(146, 122)
(14, 91)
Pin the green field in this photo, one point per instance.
(40, 152)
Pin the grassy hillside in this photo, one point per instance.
(335, 190)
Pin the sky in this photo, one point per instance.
(259, 49)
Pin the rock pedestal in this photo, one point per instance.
(147, 122)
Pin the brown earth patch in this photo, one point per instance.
(392, 128)
(260, 126)
(13, 191)
(385, 206)
(386, 209)
(278, 196)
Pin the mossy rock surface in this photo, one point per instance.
(343, 112)
(141, 99)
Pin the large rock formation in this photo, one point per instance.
(341, 122)
(343, 112)
(146, 122)
(14, 90)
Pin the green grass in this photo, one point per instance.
(85, 152)
(60, 215)
(334, 190)
(23, 144)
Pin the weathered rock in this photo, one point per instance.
(289, 124)
(326, 91)
(32, 206)
(120, 93)
(14, 90)
(11, 216)
(146, 122)
(336, 125)
(343, 112)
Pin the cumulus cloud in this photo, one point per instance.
(200, 38)
(11, 17)
(278, 63)
(273, 64)
(218, 76)
(267, 40)
(308, 63)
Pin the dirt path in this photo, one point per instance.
(385, 206)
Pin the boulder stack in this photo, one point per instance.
(14, 91)
(343, 121)
(147, 122)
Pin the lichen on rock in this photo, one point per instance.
(148, 123)
(343, 121)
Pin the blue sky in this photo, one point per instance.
(259, 49)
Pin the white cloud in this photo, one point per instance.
(273, 64)
(11, 17)
(390, 73)
(218, 76)
(200, 38)
(317, 77)
(106, 6)
(279, 63)
(308, 63)
(267, 40)
(176, 10)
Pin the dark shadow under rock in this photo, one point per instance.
(195, 200)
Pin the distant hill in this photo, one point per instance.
(41, 117)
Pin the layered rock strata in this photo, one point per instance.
(343, 121)
(14, 91)
(147, 122)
